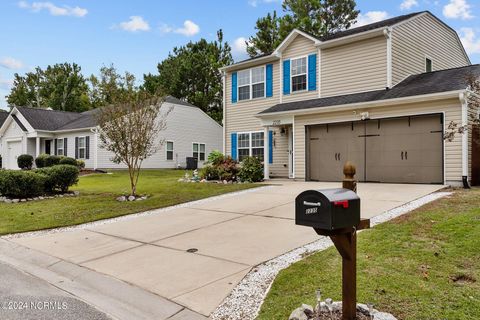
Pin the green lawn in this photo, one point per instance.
(405, 267)
(97, 200)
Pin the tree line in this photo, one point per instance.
(190, 72)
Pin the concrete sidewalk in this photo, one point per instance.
(228, 236)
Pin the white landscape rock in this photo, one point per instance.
(131, 198)
(122, 198)
(246, 298)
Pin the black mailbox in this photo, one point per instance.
(327, 209)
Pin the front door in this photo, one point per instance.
(48, 146)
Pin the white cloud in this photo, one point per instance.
(408, 4)
(239, 49)
(458, 9)
(136, 23)
(254, 3)
(371, 17)
(11, 63)
(53, 9)
(470, 40)
(189, 29)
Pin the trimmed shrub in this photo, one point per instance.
(52, 161)
(59, 177)
(41, 160)
(216, 157)
(251, 170)
(21, 184)
(25, 161)
(209, 172)
(68, 160)
(81, 164)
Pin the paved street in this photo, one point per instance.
(230, 235)
(25, 297)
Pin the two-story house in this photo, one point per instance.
(380, 95)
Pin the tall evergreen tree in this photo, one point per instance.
(317, 17)
(191, 72)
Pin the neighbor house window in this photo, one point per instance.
(251, 83)
(60, 147)
(169, 150)
(199, 151)
(299, 74)
(428, 65)
(82, 148)
(251, 144)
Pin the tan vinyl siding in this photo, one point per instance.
(240, 117)
(354, 67)
(301, 47)
(451, 108)
(424, 37)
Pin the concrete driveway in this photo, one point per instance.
(228, 235)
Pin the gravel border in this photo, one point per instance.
(246, 298)
(131, 216)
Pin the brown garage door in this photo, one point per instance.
(395, 150)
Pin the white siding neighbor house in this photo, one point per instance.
(189, 132)
(379, 95)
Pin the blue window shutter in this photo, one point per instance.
(234, 145)
(286, 77)
(269, 90)
(312, 72)
(270, 146)
(234, 87)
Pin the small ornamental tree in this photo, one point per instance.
(473, 106)
(130, 129)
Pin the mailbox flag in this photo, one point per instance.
(234, 145)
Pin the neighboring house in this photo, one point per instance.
(189, 133)
(380, 95)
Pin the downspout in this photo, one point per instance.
(463, 100)
(388, 35)
(224, 115)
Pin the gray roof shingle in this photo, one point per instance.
(48, 120)
(420, 84)
(3, 116)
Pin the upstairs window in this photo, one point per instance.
(169, 150)
(251, 83)
(244, 85)
(428, 65)
(299, 74)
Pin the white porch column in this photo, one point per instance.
(465, 149)
(37, 149)
(266, 152)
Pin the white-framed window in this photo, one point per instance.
(250, 144)
(428, 64)
(298, 74)
(82, 148)
(60, 147)
(169, 150)
(251, 83)
(199, 151)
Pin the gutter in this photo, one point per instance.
(367, 104)
(352, 38)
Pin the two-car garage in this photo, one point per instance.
(393, 150)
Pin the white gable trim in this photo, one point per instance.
(289, 39)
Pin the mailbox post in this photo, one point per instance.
(336, 213)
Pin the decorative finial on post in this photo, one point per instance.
(349, 181)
